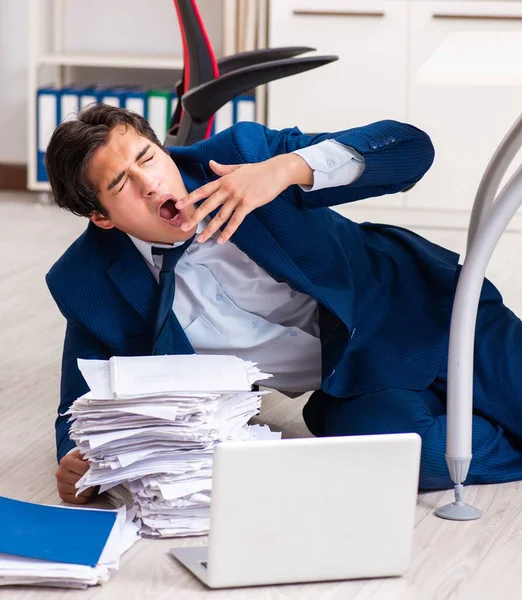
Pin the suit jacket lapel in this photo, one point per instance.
(134, 281)
(136, 284)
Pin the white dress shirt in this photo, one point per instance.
(227, 304)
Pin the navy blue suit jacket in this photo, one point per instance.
(385, 294)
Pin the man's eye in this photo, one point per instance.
(122, 186)
(149, 159)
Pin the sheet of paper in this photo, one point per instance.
(171, 491)
(144, 375)
(97, 375)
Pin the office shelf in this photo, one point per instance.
(126, 61)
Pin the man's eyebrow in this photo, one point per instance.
(119, 177)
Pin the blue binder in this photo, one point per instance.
(113, 96)
(89, 94)
(224, 118)
(136, 100)
(69, 102)
(244, 108)
(241, 108)
(47, 118)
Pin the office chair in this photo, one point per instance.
(207, 84)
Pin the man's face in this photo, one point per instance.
(138, 184)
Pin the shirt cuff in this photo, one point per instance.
(332, 163)
(73, 449)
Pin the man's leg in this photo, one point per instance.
(497, 399)
(497, 457)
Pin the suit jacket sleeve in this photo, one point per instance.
(396, 156)
(79, 343)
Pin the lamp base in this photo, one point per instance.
(459, 510)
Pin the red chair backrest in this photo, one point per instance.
(199, 61)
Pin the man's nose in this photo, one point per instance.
(149, 184)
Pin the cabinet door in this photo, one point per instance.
(466, 122)
(366, 84)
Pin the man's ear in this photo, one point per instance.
(101, 221)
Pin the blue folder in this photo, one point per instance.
(74, 536)
(47, 118)
(244, 108)
(136, 100)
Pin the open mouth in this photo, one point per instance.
(168, 212)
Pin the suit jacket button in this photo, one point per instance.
(373, 145)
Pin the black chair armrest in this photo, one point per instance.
(206, 99)
(253, 57)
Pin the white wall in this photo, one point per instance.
(132, 25)
(13, 80)
(125, 26)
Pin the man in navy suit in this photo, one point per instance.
(358, 312)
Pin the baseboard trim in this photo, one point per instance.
(416, 218)
(13, 177)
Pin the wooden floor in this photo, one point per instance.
(478, 560)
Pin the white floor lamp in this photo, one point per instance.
(490, 216)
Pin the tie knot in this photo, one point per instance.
(171, 255)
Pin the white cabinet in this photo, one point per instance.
(381, 45)
(466, 122)
(370, 38)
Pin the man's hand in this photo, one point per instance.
(241, 189)
(72, 467)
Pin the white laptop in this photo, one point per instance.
(313, 509)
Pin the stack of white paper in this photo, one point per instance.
(19, 570)
(149, 427)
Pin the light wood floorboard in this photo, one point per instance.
(478, 560)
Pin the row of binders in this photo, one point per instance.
(149, 426)
(55, 105)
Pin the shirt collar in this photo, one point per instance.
(145, 248)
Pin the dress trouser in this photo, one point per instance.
(497, 397)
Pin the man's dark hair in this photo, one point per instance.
(72, 147)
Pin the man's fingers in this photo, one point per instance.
(233, 224)
(72, 499)
(76, 453)
(64, 477)
(207, 207)
(68, 490)
(75, 465)
(72, 468)
(200, 194)
(220, 169)
(217, 222)
(68, 487)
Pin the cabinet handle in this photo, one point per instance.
(337, 13)
(478, 17)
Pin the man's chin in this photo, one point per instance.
(167, 235)
(176, 234)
